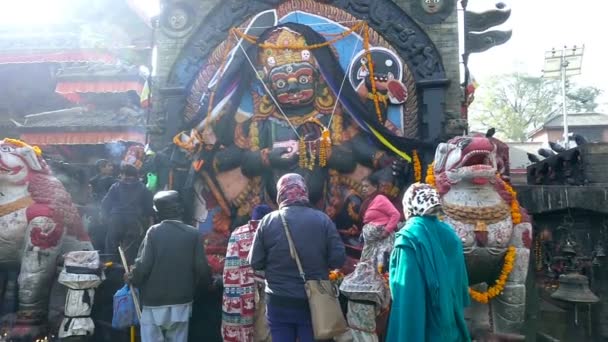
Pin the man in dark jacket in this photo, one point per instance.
(128, 208)
(101, 183)
(170, 264)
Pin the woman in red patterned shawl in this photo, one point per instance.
(243, 305)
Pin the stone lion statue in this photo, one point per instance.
(471, 176)
(38, 223)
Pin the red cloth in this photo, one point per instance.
(381, 212)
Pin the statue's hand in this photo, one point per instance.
(282, 157)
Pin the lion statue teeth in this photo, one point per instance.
(38, 223)
(470, 173)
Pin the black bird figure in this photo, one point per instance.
(556, 147)
(545, 152)
(490, 132)
(579, 139)
(533, 158)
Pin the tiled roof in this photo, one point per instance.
(577, 119)
(83, 118)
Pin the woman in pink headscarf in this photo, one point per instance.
(318, 245)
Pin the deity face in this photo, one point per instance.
(294, 84)
(432, 6)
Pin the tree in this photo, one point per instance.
(516, 103)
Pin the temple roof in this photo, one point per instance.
(80, 118)
(577, 119)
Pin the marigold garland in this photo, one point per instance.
(417, 166)
(370, 66)
(20, 143)
(336, 276)
(253, 39)
(495, 290)
(515, 209)
(430, 175)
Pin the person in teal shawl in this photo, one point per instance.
(427, 274)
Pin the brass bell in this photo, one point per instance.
(599, 251)
(568, 248)
(574, 288)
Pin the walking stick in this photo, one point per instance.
(135, 299)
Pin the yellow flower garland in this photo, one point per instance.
(417, 166)
(253, 39)
(430, 175)
(370, 66)
(20, 143)
(515, 209)
(495, 290)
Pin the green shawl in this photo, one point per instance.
(429, 283)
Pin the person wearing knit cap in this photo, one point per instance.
(427, 274)
(243, 304)
(320, 250)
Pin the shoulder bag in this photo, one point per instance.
(325, 311)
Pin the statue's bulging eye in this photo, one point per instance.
(6, 148)
(303, 79)
(280, 84)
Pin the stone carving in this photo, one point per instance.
(177, 19)
(384, 16)
(38, 223)
(477, 38)
(432, 11)
(482, 210)
(481, 21)
(480, 42)
(290, 120)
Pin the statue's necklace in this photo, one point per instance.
(19, 204)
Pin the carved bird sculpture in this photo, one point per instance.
(490, 133)
(545, 152)
(579, 139)
(533, 158)
(556, 147)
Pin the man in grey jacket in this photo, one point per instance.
(170, 263)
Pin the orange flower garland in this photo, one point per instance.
(515, 209)
(430, 175)
(20, 143)
(495, 290)
(336, 276)
(417, 167)
(370, 66)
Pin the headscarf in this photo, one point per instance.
(291, 189)
(419, 200)
(259, 211)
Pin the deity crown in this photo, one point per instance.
(287, 47)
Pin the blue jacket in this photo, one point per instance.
(317, 243)
(429, 284)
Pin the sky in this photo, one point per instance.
(540, 25)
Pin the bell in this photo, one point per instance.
(568, 249)
(599, 251)
(574, 288)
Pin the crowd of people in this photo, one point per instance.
(264, 297)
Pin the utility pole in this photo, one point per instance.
(564, 66)
(560, 64)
